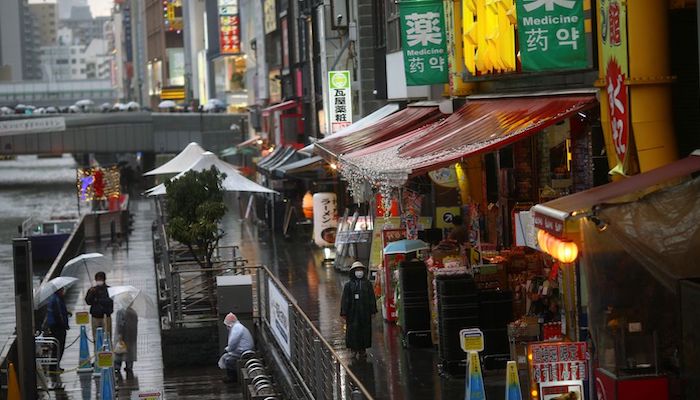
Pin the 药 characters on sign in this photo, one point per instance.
(424, 43)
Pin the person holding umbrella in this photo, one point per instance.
(357, 305)
(57, 322)
(101, 305)
(126, 334)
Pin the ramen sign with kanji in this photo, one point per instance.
(560, 361)
(340, 110)
(424, 43)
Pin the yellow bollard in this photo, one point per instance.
(13, 392)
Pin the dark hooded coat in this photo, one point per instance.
(357, 305)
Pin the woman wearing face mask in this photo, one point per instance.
(357, 306)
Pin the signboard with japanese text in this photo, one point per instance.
(471, 340)
(552, 34)
(424, 43)
(82, 318)
(340, 102)
(105, 359)
(270, 19)
(559, 361)
(613, 40)
(325, 218)
(229, 27)
(279, 317)
(32, 125)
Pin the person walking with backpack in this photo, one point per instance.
(101, 305)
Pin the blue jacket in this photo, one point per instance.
(57, 314)
(239, 340)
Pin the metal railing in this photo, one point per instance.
(321, 372)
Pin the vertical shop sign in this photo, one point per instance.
(279, 318)
(270, 19)
(340, 102)
(325, 218)
(613, 39)
(229, 27)
(552, 34)
(424, 43)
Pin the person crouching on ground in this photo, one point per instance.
(357, 306)
(239, 341)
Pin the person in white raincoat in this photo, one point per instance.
(239, 341)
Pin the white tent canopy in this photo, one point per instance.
(180, 162)
(234, 181)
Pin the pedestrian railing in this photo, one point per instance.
(321, 372)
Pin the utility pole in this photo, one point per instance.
(310, 59)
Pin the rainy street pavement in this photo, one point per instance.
(390, 371)
(135, 267)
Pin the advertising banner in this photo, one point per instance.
(229, 27)
(279, 317)
(613, 46)
(340, 102)
(325, 218)
(552, 34)
(424, 43)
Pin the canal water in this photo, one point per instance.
(41, 188)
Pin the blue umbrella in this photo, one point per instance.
(405, 246)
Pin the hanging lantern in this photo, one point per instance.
(307, 205)
(565, 251)
(542, 239)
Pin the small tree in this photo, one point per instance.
(195, 206)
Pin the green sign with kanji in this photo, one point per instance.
(551, 34)
(424, 42)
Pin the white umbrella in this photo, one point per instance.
(89, 263)
(47, 289)
(129, 296)
(234, 181)
(117, 106)
(180, 162)
(132, 105)
(84, 102)
(167, 104)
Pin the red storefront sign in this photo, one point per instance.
(618, 108)
(549, 224)
(560, 361)
(229, 27)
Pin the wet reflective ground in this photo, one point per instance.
(390, 371)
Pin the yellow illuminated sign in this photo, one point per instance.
(488, 28)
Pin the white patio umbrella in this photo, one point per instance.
(129, 296)
(188, 156)
(167, 104)
(234, 181)
(89, 263)
(44, 292)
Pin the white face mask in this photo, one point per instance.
(99, 283)
(359, 274)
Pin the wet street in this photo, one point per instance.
(390, 371)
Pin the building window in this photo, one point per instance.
(72, 61)
(393, 26)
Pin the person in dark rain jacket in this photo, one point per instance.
(357, 306)
(57, 322)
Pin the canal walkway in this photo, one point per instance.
(135, 267)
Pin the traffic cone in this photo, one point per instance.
(12, 383)
(99, 342)
(513, 382)
(84, 358)
(107, 384)
(475, 381)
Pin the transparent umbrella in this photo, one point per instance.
(44, 292)
(89, 263)
(84, 102)
(167, 104)
(129, 296)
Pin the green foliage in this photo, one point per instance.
(195, 205)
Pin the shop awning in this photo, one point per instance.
(387, 128)
(310, 164)
(357, 125)
(285, 105)
(480, 126)
(287, 155)
(250, 142)
(553, 214)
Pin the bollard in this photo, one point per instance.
(475, 381)
(99, 339)
(107, 377)
(13, 392)
(513, 382)
(84, 359)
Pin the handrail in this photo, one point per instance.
(315, 330)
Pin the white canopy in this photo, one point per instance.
(234, 181)
(180, 162)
